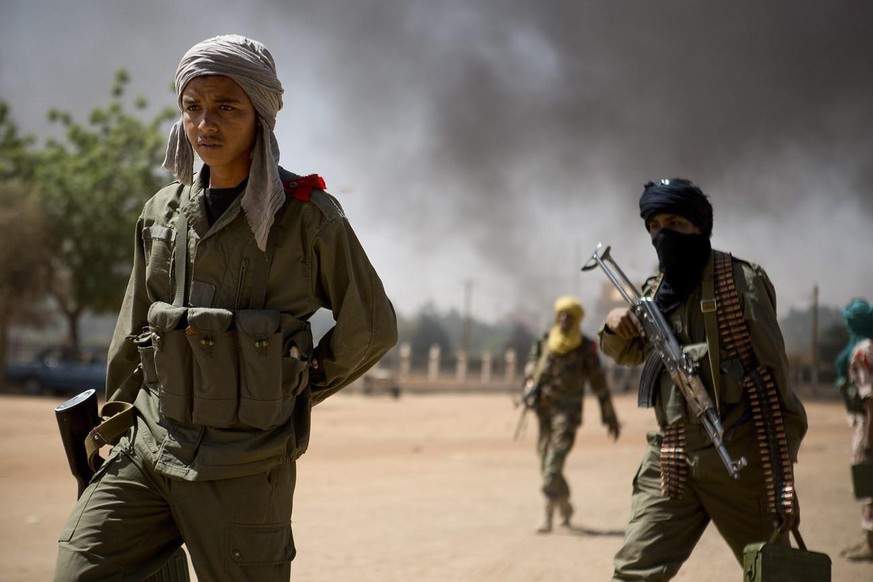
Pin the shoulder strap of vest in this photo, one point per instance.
(181, 250)
(262, 271)
(709, 306)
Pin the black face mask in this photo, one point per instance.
(682, 258)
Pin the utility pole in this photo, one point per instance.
(577, 268)
(468, 302)
(814, 342)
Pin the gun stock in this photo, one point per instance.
(76, 417)
(681, 367)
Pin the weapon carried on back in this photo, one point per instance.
(80, 423)
(678, 361)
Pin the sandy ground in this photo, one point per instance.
(434, 488)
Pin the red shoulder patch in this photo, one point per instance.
(301, 188)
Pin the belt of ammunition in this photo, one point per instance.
(674, 467)
(760, 390)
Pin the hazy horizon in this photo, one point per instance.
(498, 143)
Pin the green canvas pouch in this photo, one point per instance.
(171, 360)
(216, 369)
(260, 360)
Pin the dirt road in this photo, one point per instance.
(433, 488)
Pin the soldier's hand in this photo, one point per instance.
(622, 322)
(786, 522)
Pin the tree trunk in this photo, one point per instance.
(73, 327)
(4, 347)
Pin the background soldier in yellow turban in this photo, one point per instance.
(558, 367)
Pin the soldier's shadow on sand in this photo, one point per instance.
(580, 530)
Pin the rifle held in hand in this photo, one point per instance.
(678, 362)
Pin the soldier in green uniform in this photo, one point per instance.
(213, 345)
(558, 367)
(711, 298)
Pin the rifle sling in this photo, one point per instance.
(180, 254)
(119, 421)
(541, 364)
(709, 307)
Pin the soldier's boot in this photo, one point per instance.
(860, 551)
(546, 525)
(566, 510)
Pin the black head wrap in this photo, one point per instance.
(677, 196)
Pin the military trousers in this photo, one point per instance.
(663, 532)
(862, 428)
(130, 519)
(557, 433)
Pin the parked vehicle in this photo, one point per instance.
(59, 370)
(379, 380)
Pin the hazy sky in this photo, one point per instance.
(497, 142)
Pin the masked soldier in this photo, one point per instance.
(213, 346)
(728, 305)
(558, 367)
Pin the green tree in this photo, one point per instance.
(833, 339)
(429, 330)
(22, 235)
(17, 160)
(521, 338)
(93, 184)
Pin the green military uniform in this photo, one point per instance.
(562, 378)
(663, 531)
(218, 471)
(558, 367)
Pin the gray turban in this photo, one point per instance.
(251, 66)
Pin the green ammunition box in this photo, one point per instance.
(768, 562)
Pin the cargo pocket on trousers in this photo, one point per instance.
(172, 360)
(75, 517)
(260, 379)
(260, 545)
(216, 370)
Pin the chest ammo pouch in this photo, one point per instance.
(220, 368)
(768, 562)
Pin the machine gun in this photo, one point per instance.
(77, 417)
(678, 362)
